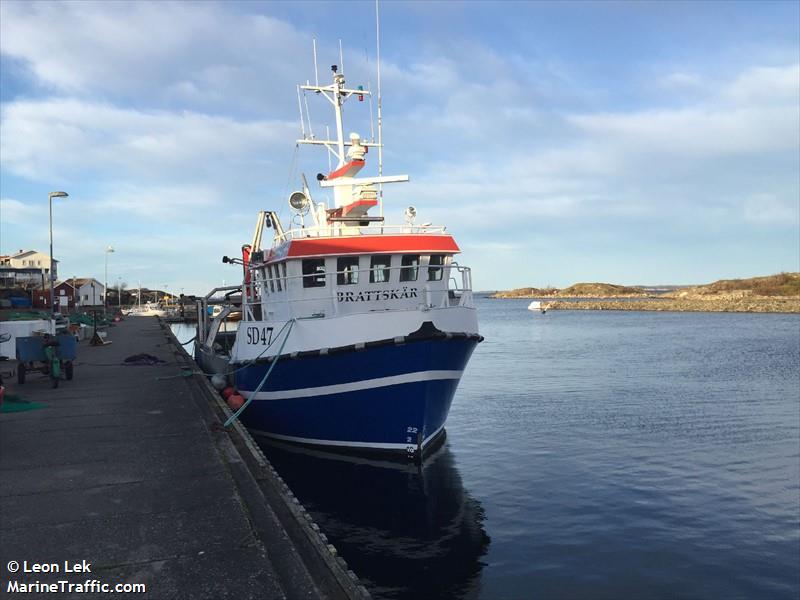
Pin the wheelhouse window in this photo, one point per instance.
(277, 273)
(270, 279)
(314, 272)
(409, 267)
(347, 270)
(379, 268)
(436, 267)
(283, 277)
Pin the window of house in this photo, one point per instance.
(435, 267)
(409, 270)
(314, 272)
(379, 268)
(347, 270)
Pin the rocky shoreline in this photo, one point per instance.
(751, 304)
(778, 293)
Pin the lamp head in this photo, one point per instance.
(299, 202)
(58, 194)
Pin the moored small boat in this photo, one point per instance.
(148, 310)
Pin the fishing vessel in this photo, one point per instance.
(355, 332)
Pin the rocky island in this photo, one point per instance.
(773, 293)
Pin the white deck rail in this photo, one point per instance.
(356, 231)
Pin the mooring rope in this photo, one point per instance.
(235, 415)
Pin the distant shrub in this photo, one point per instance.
(782, 284)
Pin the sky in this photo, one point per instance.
(625, 142)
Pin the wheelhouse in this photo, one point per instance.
(300, 283)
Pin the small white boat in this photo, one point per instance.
(148, 310)
(537, 305)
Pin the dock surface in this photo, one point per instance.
(125, 469)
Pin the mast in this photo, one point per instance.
(380, 116)
(337, 94)
(338, 84)
(352, 195)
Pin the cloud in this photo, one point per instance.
(755, 113)
(697, 132)
(769, 209)
(153, 52)
(60, 138)
(14, 212)
(679, 81)
(766, 85)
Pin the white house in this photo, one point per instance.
(71, 293)
(31, 259)
(88, 291)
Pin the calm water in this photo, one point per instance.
(589, 455)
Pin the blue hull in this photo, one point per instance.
(390, 397)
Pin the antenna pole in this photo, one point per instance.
(308, 116)
(380, 119)
(341, 57)
(327, 137)
(371, 117)
(302, 120)
(316, 72)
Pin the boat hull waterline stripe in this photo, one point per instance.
(364, 384)
(347, 444)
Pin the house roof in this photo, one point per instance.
(24, 253)
(79, 281)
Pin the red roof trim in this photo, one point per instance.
(371, 244)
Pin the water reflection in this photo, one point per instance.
(408, 531)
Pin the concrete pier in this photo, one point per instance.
(128, 469)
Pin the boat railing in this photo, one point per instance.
(348, 231)
(431, 293)
(202, 309)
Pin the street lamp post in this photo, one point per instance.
(50, 197)
(109, 250)
(119, 292)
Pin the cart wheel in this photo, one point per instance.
(21, 373)
(68, 370)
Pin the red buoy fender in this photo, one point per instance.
(235, 402)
